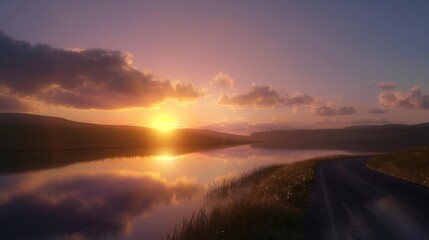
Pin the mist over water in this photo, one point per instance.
(127, 194)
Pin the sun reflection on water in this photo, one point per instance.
(165, 158)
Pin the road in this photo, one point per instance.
(352, 201)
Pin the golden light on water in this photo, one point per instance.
(165, 158)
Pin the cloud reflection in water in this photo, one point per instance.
(92, 204)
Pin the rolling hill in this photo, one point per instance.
(366, 138)
(27, 132)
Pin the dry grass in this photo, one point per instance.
(410, 165)
(267, 203)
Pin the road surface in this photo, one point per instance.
(352, 201)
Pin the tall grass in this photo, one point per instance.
(409, 165)
(241, 185)
(271, 204)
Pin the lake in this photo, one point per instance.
(118, 194)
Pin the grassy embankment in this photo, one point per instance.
(267, 203)
(409, 165)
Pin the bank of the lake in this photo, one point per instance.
(270, 202)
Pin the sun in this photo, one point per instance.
(164, 123)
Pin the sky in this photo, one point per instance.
(234, 66)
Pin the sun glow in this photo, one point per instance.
(164, 123)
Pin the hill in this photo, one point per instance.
(27, 132)
(365, 138)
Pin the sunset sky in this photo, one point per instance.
(235, 66)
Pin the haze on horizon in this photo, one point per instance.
(229, 66)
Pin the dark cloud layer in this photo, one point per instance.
(400, 99)
(92, 205)
(91, 78)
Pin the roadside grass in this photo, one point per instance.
(267, 203)
(410, 165)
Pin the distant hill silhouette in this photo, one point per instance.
(27, 132)
(360, 138)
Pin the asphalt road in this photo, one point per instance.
(352, 201)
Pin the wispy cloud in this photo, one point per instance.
(83, 78)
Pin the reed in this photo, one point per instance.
(269, 202)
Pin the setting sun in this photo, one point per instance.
(164, 123)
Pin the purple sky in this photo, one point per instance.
(236, 66)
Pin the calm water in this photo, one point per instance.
(136, 194)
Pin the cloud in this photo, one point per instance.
(83, 78)
(378, 111)
(93, 205)
(347, 111)
(328, 109)
(13, 104)
(258, 97)
(385, 86)
(401, 99)
(264, 97)
(324, 111)
(299, 99)
(222, 80)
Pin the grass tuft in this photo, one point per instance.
(409, 165)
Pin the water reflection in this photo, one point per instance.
(368, 146)
(118, 194)
(91, 205)
(15, 162)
